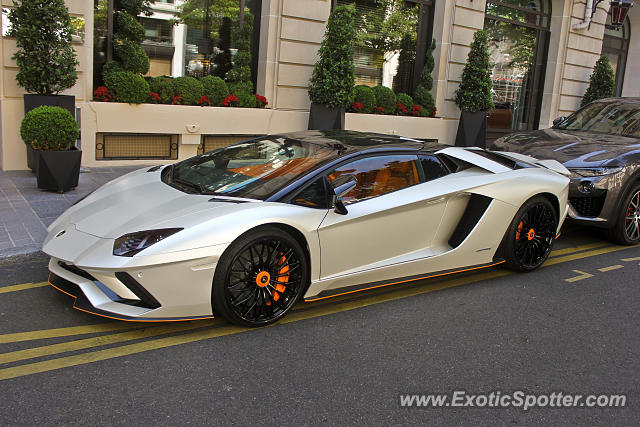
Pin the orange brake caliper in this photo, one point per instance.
(282, 277)
(519, 230)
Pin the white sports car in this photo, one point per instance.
(248, 230)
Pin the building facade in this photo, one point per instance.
(542, 53)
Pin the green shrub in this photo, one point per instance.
(49, 128)
(222, 61)
(333, 75)
(405, 100)
(474, 93)
(127, 87)
(247, 100)
(423, 95)
(189, 89)
(131, 56)
(243, 87)
(45, 56)
(164, 87)
(111, 67)
(602, 83)
(134, 7)
(129, 28)
(239, 77)
(215, 88)
(365, 96)
(385, 98)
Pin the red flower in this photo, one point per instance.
(230, 101)
(175, 100)
(401, 108)
(154, 97)
(204, 101)
(434, 112)
(416, 111)
(357, 107)
(262, 101)
(103, 94)
(378, 110)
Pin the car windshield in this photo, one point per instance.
(612, 118)
(254, 169)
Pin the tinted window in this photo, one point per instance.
(611, 118)
(379, 175)
(432, 167)
(314, 196)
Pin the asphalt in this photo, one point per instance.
(26, 211)
(535, 332)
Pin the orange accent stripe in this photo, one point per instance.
(131, 320)
(404, 281)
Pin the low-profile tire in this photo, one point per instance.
(259, 277)
(530, 235)
(626, 229)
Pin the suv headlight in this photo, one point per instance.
(588, 172)
(132, 243)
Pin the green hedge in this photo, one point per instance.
(49, 128)
(131, 56)
(405, 100)
(385, 98)
(164, 87)
(215, 88)
(127, 87)
(365, 96)
(189, 89)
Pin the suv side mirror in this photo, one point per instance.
(558, 120)
(341, 186)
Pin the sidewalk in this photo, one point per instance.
(26, 211)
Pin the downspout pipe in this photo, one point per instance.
(588, 13)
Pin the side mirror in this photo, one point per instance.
(559, 120)
(341, 186)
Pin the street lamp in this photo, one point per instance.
(619, 10)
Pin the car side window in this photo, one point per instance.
(313, 196)
(378, 175)
(432, 167)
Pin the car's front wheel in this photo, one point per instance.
(531, 234)
(626, 230)
(259, 277)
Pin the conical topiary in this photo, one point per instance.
(423, 96)
(474, 93)
(602, 83)
(333, 75)
(128, 34)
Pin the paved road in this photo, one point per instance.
(570, 327)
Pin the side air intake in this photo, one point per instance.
(476, 207)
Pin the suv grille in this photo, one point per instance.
(588, 206)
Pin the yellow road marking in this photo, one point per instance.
(65, 332)
(631, 259)
(22, 287)
(31, 353)
(578, 249)
(313, 311)
(582, 276)
(611, 267)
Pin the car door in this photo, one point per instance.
(393, 214)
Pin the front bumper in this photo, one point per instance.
(597, 206)
(110, 294)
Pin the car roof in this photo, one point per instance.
(348, 141)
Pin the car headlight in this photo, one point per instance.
(587, 172)
(132, 243)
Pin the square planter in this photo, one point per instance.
(68, 102)
(472, 130)
(58, 170)
(324, 118)
(32, 161)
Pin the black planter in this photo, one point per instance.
(58, 170)
(323, 118)
(68, 102)
(472, 130)
(32, 161)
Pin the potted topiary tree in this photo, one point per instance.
(45, 56)
(602, 83)
(52, 133)
(331, 87)
(423, 96)
(473, 97)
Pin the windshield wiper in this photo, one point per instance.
(197, 186)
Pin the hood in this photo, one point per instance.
(136, 202)
(572, 148)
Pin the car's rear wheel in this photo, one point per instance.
(530, 235)
(259, 277)
(626, 230)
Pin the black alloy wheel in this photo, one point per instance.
(626, 230)
(259, 278)
(531, 235)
